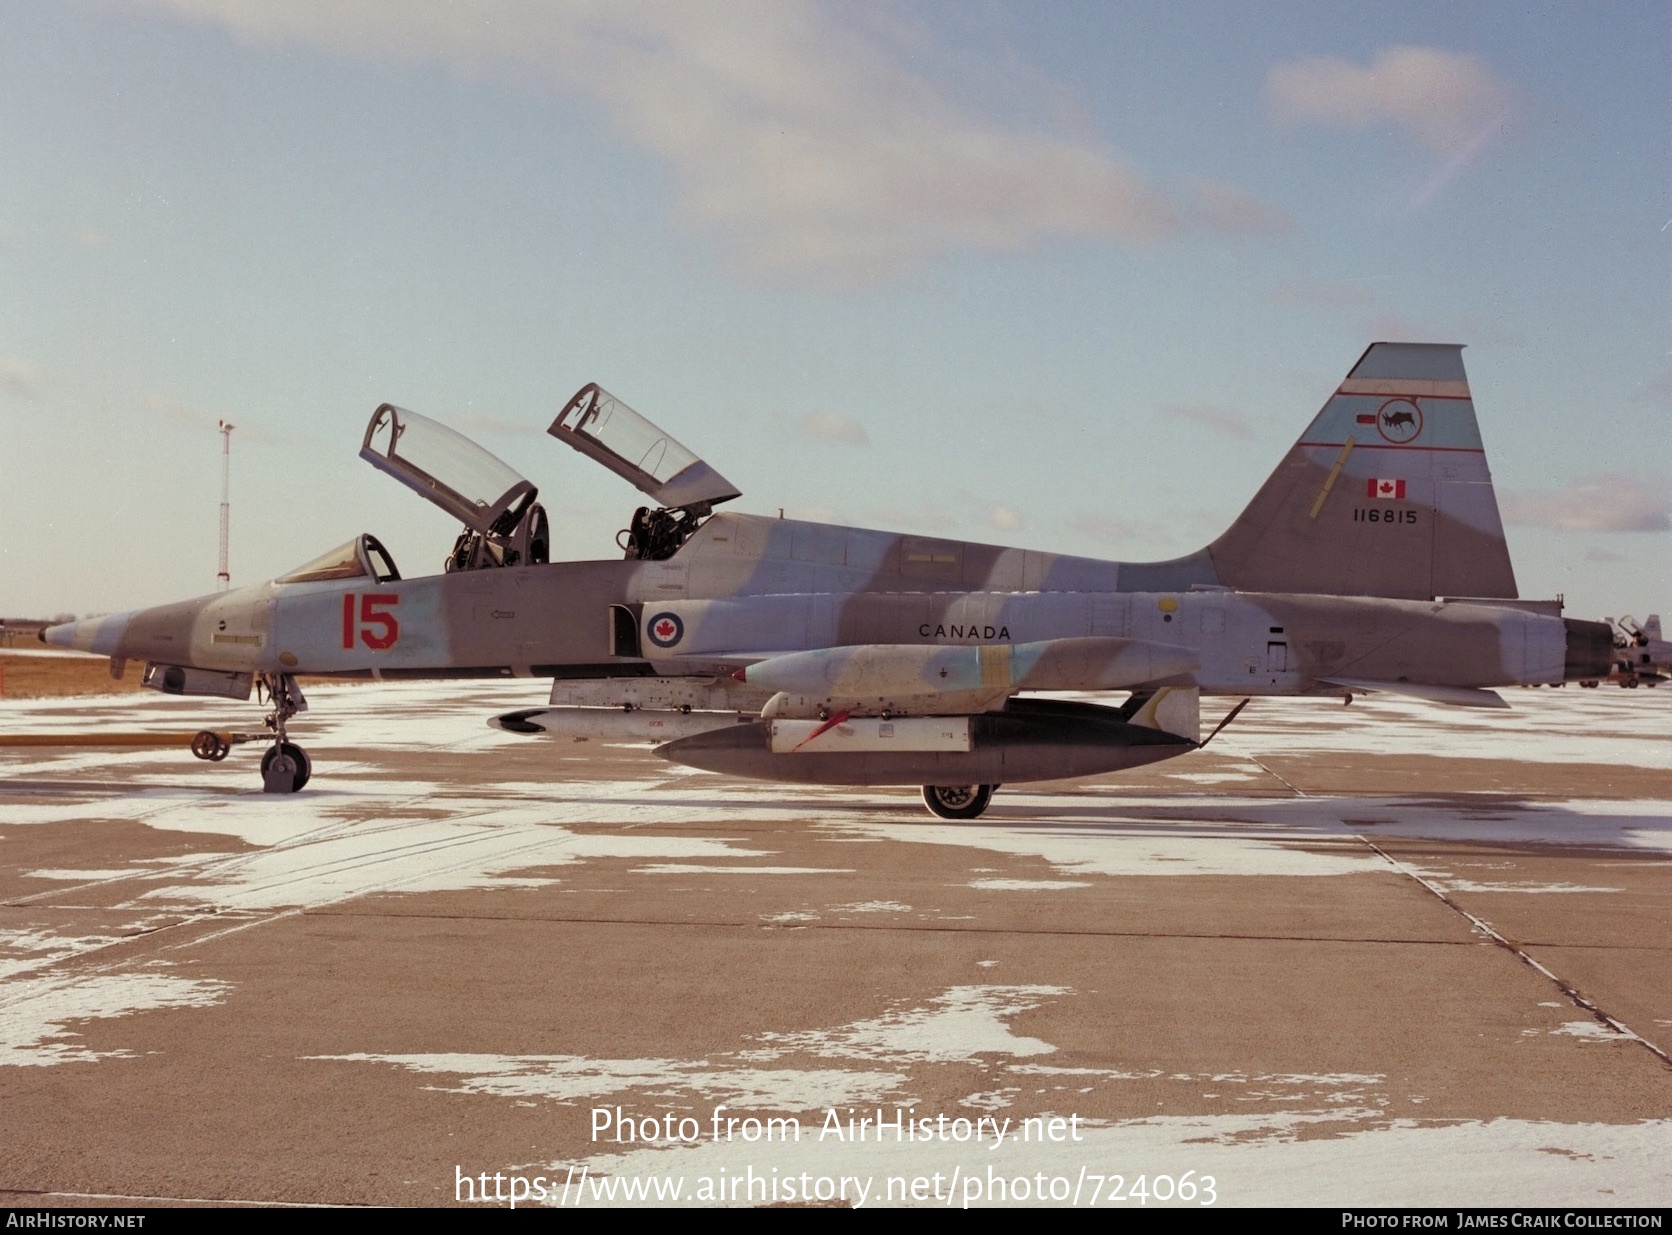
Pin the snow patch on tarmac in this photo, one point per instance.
(1465, 885)
(35, 948)
(965, 1023)
(693, 868)
(1107, 848)
(35, 1012)
(872, 907)
(1569, 726)
(572, 1078)
(1282, 1161)
(1593, 1030)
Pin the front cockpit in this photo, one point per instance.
(364, 557)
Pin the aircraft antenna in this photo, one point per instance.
(224, 578)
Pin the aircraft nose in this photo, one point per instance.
(101, 634)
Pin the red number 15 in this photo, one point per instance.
(388, 630)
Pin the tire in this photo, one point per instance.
(304, 766)
(208, 745)
(957, 801)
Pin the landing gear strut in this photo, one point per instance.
(957, 801)
(285, 767)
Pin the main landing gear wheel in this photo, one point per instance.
(285, 768)
(957, 801)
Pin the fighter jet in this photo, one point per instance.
(1372, 559)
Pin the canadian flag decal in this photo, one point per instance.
(1382, 487)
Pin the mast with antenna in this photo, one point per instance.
(224, 578)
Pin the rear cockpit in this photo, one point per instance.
(684, 488)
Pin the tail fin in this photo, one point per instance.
(1387, 492)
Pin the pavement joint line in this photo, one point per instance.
(1296, 790)
(1573, 995)
(881, 926)
(49, 962)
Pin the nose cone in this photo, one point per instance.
(162, 634)
(101, 634)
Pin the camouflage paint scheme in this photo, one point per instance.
(1326, 584)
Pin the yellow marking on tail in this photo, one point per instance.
(1334, 472)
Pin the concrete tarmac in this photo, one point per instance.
(1386, 954)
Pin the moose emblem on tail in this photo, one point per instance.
(1399, 420)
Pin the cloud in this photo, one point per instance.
(832, 427)
(1220, 419)
(1004, 518)
(1105, 529)
(1604, 555)
(19, 379)
(1612, 503)
(1445, 99)
(809, 136)
(1226, 208)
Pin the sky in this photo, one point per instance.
(1067, 276)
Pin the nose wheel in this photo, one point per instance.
(285, 768)
(957, 801)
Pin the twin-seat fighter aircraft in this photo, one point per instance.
(1373, 559)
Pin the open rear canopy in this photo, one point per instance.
(601, 426)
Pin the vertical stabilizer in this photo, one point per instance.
(1387, 493)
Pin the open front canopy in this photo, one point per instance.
(601, 426)
(446, 467)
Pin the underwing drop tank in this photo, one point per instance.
(1029, 740)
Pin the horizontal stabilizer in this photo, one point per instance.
(1173, 710)
(1454, 696)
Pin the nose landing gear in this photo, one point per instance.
(285, 768)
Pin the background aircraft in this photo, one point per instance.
(1372, 559)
